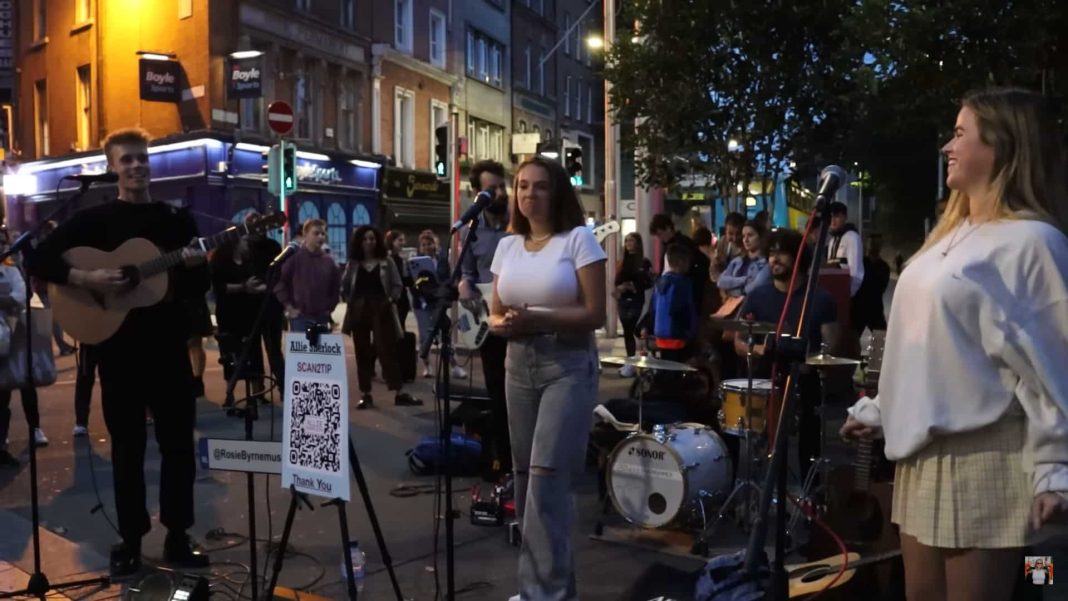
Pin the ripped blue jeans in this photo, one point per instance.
(551, 389)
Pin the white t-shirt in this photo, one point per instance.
(1038, 575)
(548, 277)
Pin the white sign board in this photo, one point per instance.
(259, 456)
(628, 209)
(315, 425)
(525, 143)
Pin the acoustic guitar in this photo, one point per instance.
(813, 577)
(93, 317)
(473, 325)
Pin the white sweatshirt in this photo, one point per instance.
(850, 248)
(974, 330)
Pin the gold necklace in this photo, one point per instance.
(953, 240)
(542, 238)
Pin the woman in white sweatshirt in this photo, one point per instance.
(973, 397)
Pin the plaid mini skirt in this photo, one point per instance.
(968, 490)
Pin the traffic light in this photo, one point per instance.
(573, 164)
(550, 149)
(441, 150)
(288, 168)
(271, 171)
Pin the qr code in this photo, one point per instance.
(315, 425)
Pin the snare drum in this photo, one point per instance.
(660, 478)
(732, 413)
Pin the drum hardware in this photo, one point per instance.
(645, 366)
(743, 325)
(824, 359)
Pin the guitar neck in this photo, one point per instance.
(166, 261)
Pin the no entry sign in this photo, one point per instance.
(280, 117)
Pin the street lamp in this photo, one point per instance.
(595, 42)
(246, 54)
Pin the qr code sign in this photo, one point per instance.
(315, 425)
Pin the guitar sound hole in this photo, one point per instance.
(810, 574)
(132, 275)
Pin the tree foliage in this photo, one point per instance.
(877, 82)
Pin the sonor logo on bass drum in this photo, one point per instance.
(646, 453)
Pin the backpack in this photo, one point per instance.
(428, 456)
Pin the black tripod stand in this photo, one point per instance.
(38, 585)
(296, 498)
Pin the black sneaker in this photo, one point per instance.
(180, 550)
(403, 399)
(366, 402)
(7, 459)
(125, 560)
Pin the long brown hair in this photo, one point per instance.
(1028, 180)
(564, 205)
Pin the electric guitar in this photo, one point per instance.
(473, 325)
(93, 317)
(813, 577)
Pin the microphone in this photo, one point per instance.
(108, 177)
(831, 178)
(482, 201)
(287, 252)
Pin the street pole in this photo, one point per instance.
(611, 156)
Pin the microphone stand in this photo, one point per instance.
(251, 412)
(788, 356)
(440, 330)
(38, 585)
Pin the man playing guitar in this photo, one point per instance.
(489, 175)
(145, 363)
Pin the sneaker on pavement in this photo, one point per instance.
(80, 430)
(458, 372)
(403, 399)
(514, 598)
(39, 437)
(125, 560)
(179, 549)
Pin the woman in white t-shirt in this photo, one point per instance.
(973, 397)
(548, 298)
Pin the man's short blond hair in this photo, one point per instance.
(313, 222)
(126, 135)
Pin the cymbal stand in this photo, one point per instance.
(746, 483)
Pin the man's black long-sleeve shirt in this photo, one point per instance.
(106, 227)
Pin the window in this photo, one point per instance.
(307, 100)
(580, 34)
(485, 58)
(437, 39)
(308, 210)
(578, 101)
(304, 5)
(360, 216)
(495, 65)
(348, 14)
(522, 126)
(83, 11)
(470, 53)
(567, 34)
(589, 103)
(40, 29)
(541, 71)
(483, 142)
(567, 96)
(251, 112)
(496, 143)
(526, 60)
(439, 115)
(336, 231)
(404, 128)
(589, 162)
(84, 97)
(403, 21)
(346, 123)
(40, 112)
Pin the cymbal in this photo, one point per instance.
(825, 360)
(743, 325)
(648, 363)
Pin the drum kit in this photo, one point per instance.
(681, 475)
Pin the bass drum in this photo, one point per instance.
(659, 478)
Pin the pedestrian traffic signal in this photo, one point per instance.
(289, 169)
(573, 164)
(271, 169)
(441, 150)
